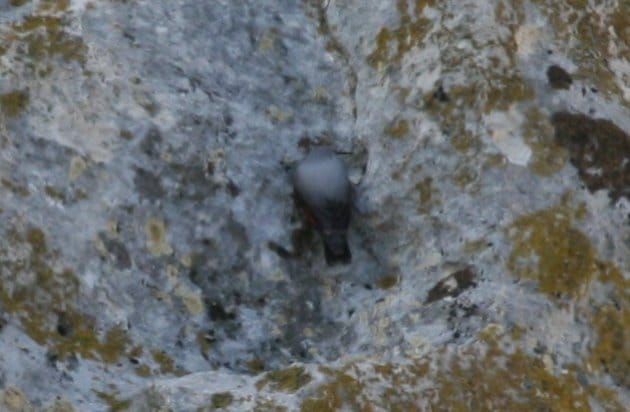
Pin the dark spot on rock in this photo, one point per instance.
(301, 238)
(217, 312)
(51, 359)
(148, 185)
(558, 77)
(150, 144)
(233, 190)
(469, 310)
(368, 286)
(129, 36)
(387, 282)
(134, 361)
(452, 285)
(440, 95)
(117, 250)
(227, 119)
(64, 326)
(125, 134)
(598, 149)
(305, 142)
(582, 379)
(210, 168)
(594, 90)
(279, 250)
(237, 297)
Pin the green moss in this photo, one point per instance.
(548, 249)
(15, 102)
(221, 400)
(286, 380)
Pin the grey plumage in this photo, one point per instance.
(323, 191)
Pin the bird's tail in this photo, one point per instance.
(336, 248)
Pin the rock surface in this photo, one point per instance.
(151, 257)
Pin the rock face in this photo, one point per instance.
(151, 257)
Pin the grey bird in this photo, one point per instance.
(323, 192)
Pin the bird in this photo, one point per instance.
(323, 192)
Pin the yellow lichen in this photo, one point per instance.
(548, 157)
(393, 44)
(287, 380)
(611, 353)
(593, 36)
(222, 400)
(44, 37)
(13, 187)
(15, 102)
(426, 195)
(397, 128)
(157, 242)
(167, 364)
(111, 399)
(387, 282)
(476, 377)
(342, 392)
(547, 248)
(42, 296)
(77, 167)
(14, 400)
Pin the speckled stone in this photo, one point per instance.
(151, 255)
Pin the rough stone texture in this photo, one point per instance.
(151, 257)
